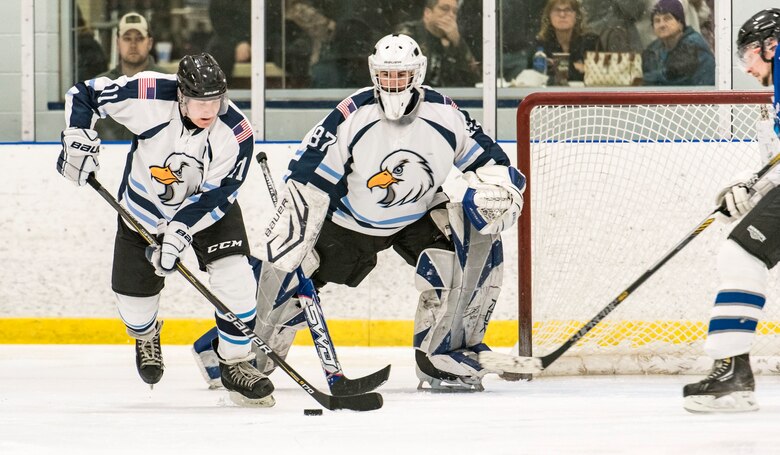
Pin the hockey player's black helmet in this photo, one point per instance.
(755, 31)
(200, 76)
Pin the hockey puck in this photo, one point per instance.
(312, 412)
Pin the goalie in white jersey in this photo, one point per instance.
(190, 154)
(367, 178)
(751, 249)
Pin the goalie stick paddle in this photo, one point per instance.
(339, 384)
(531, 365)
(363, 402)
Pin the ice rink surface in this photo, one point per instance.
(71, 399)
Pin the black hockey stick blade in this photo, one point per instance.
(363, 402)
(346, 386)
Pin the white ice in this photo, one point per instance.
(72, 399)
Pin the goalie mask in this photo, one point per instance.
(755, 33)
(397, 68)
(202, 87)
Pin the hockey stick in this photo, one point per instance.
(364, 402)
(307, 294)
(531, 365)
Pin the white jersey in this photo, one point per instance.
(173, 171)
(383, 175)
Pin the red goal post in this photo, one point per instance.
(614, 179)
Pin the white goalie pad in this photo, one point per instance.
(279, 313)
(458, 288)
(294, 227)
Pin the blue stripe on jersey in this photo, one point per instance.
(740, 298)
(732, 324)
(401, 219)
(468, 155)
(448, 135)
(776, 80)
(143, 203)
(330, 171)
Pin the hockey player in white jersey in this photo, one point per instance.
(367, 178)
(751, 249)
(190, 154)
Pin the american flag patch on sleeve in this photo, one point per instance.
(147, 88)
(242, 131)
(346, 107)
(448, 100)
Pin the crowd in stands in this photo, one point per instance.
(325, 43)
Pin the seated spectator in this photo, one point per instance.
(91, 58)
(679, 56)
(134, 42)
(605, 17)
(562, 32)
(450, 61)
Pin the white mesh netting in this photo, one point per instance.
(615, 188)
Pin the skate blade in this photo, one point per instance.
(733, 402)
(265, 402)
(443, 387)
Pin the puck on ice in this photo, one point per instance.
(312, 412)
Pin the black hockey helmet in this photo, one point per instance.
(763, 25)
(200, 76)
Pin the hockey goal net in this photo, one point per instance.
(615, 181)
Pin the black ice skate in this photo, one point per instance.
(247, 386)
(728, 388)
(148, 355)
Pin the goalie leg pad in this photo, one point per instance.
(458, 292)
(295, 226)
(279, 313)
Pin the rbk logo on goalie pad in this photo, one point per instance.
(177, 179)
(406, 177)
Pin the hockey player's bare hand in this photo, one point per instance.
(79, 155)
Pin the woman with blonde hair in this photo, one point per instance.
(563, 31)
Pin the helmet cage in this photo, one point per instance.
(397, 68)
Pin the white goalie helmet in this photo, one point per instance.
(397, 68)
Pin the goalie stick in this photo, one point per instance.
(363, 402)
(307, 294)
(531, 365)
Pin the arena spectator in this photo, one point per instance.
(679, 56)
(562, 31)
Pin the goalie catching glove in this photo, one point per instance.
(175, 238)
(79, 155)
(742, 194)
(494, 199)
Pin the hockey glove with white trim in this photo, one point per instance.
(742, 194)
(494, 199)
(79, 155)
(175, 239)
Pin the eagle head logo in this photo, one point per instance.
(181, 175)
(405, 175)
